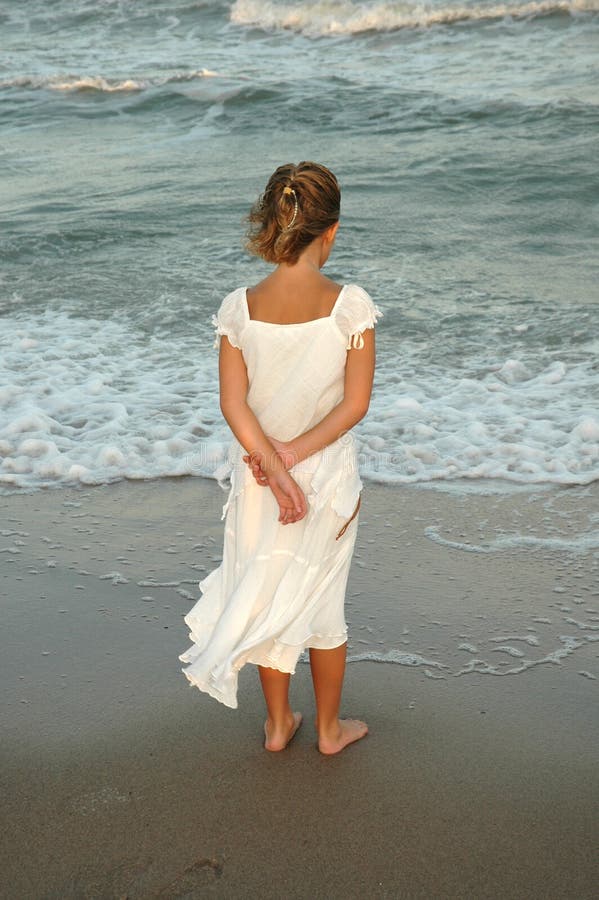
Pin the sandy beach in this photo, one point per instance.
(474, 622)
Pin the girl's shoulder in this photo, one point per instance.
(231, 317)
(354, 312)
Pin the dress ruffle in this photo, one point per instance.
(355, 315)
(230, 319)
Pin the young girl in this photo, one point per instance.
(296, 367)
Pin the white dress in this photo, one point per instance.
(281, 588)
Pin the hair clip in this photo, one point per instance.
(286, 192)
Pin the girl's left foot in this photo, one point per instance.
(278, 738)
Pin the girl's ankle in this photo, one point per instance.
(280, 722)
(328, 729)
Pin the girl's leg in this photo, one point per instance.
(328, 669)
(282, 723)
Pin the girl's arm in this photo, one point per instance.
(359, 375)
(246, 428)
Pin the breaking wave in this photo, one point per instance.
(98, 83)
(341, 17)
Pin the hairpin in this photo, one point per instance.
(290, 191)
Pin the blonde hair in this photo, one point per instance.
(299, 203)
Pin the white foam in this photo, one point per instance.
(581, 543)
(341, 17)
(531, 639)
(511, 651)
(432, 532)
(584, 626)
(554, 657)
(115, 578)
(397, 657)
(587, 429)
(66, 83)
(533, 422)
(476, 665)
(513, 371)
(93, 401)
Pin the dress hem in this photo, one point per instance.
(208, 689)
(315, 642)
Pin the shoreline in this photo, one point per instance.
(122, 779)
(464, 485)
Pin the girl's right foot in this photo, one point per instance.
(350, 730)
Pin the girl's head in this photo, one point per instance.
(300, 203)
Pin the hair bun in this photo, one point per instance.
(276, 237)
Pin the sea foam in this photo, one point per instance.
(341, 17)
(93, 401)
(70, 82)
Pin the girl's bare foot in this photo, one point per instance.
(350, 730)
(278, 738)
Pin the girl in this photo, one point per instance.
(296, 368)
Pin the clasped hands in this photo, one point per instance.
(274, 474)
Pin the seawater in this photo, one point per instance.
(135, 136)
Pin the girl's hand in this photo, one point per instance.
(293, 505)
(254, 461)
(285, 452)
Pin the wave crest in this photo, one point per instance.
(98, 83)
(340, 17)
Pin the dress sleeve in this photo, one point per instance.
(355, 314)
(230, 319)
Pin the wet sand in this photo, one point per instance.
(122, 780)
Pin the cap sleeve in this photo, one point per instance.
(356, 312)
(230, 318)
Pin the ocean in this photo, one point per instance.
(135, 134)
